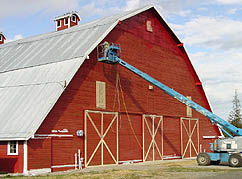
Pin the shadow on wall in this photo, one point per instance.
(111, 75)
(7, 165)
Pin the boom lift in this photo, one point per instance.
(223, 150)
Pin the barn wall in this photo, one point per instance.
(11, 163)
(39, 153)
(156, 54)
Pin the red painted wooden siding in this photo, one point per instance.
(39, 153)
(11, 163)
(154, 53)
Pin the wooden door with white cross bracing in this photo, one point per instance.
(152, 137)
(101, 138)
(189, 137)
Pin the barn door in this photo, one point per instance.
(189, 137)
(101, 138)
(152, 137)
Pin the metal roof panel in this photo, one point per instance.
(33, 72)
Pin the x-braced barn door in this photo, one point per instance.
(152, 137)
(101, 138)
(189, 137)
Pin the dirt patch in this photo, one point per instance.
(159, 169)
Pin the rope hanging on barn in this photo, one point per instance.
(114, 102)
(125, 107)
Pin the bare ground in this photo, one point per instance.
(178, 169)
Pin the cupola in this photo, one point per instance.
(2, 38)
(67, 20)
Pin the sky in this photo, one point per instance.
(211, 31)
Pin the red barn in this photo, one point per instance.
(60, 108)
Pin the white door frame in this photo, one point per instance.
(189, 132)
(102, 135)
(152, 133)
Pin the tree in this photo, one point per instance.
(235, 117)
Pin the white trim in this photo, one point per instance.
(16, 153)
(40, 138)
(129, 161)
(12, 139)
(53, 135)
(39, 171)
(57, 26)
(69, 22)
(152, 132)
(101, 133)
(25, 165)
(65, 166)
(171, 157)
(189, 131)
(67, 18)
(209, 137)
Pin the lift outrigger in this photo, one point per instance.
(224, 150)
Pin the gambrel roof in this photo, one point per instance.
(35, 71)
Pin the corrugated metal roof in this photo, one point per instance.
(33, 72)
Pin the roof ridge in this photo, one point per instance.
(120, 16)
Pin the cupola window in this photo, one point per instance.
(73, 18)
(66, 21)
(58, 23)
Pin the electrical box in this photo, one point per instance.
(151, 87)
(79, 133)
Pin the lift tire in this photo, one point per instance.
(203, 159)
(235, 160)
(215, 162)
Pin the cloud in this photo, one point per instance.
(16, 37)
(211, 32)
(132, 4)
(221, 75)
(99, 8)
(229, 1)
(28, 7)
(232, 11)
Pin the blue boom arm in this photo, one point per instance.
(112, 58)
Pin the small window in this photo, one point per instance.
(58, 23)
(100, 95)
(73, 18)
(1, 38)
(149, 26)
(189, 110)
(13, 148)
(66, 21)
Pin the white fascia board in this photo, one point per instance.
(13, 139)
(53, 135)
